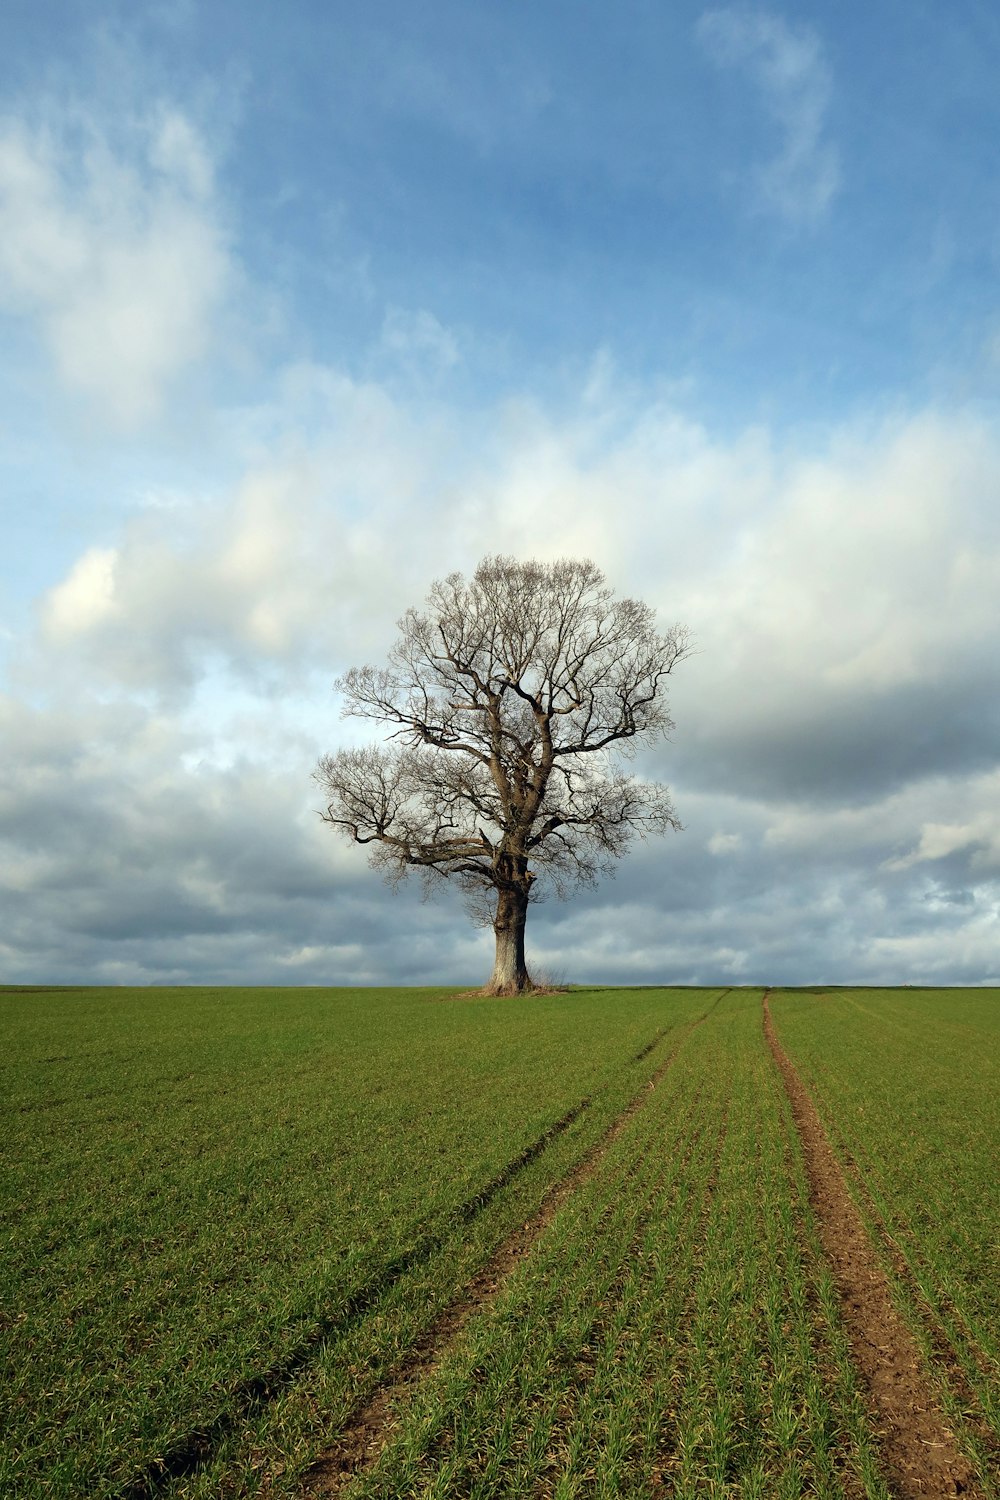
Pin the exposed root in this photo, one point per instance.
(514, 991)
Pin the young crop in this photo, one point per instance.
(225, 1212)
(231, 1219)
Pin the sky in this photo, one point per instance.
(304, 306)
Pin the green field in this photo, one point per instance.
(230, 1216)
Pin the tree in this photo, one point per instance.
(512, 699)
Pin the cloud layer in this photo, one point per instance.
(836, 750)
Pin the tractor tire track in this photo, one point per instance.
(197, 1448)
(920, 1454)
(361, 1439)
(814, 1265)
(954, 1344)
(963, 1363)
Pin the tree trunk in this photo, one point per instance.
(510, 972)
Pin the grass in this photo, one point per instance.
(229, 1215)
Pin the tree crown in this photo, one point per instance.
(511, 698)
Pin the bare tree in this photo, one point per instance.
(512, 699)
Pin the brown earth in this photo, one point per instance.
(946, 1352)
(365, 1434)
(920, 1454)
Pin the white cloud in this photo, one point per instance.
(978, 838)
(350, 507)
(305, 562)
(116, 248)
(419, 339)
(242, 580)
(787, 64)
(938, 840)
(86, 597)
(725, 843)
(179, 154)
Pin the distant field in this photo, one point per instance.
(387, 1243)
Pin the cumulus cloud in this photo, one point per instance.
(85, 599)
(786, 63)
(306, 560)
(939, 840)
(842, 599)
(239, 583)
(116, 248)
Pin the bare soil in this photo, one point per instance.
(921, 1456)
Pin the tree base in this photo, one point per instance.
(511, 991)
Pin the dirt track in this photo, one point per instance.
(920, 1454)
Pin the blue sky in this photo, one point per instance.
(305, 306)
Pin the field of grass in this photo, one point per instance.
(206, 1190)
(228, 1216)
